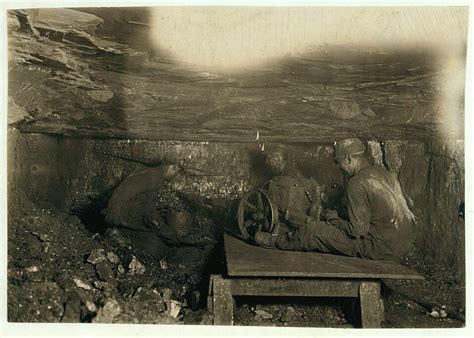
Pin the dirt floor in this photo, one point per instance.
(58, 271)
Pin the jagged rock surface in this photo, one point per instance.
(70, 76)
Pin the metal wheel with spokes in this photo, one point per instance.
(256, 213)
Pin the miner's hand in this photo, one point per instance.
(330, 215)
(298, 219)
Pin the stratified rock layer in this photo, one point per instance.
(76, 73)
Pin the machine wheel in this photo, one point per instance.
(256, 213)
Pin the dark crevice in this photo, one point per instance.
(92, 217)
(384, 155)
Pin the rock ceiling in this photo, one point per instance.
(87, 74)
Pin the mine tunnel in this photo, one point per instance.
(97, 95)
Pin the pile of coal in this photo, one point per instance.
(60, 272)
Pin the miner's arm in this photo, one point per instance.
(358, 210)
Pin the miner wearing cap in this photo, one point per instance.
(380, 224)
(289, 190)
(277, 159)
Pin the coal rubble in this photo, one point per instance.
(60, 272)
(292, 312)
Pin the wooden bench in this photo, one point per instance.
(255, 271)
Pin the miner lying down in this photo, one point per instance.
(379, 222)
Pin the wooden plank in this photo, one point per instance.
(244, 259)
(370, 304)
(223, 303)
(209, 294)
(294, 287)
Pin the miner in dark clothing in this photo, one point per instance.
(291, 192)
(276, 158)
(380, 224)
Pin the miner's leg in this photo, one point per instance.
(147, 243)
(321, 237)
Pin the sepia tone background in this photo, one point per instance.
(198, 84)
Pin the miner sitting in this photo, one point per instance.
(292, 193)
(380, 225)
(277, 159)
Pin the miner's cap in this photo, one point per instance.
(349, 146)
(271, 149)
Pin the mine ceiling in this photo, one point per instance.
(91, 72)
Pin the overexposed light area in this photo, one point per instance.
(450, 101)
(236, 38)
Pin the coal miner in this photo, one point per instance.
(293, 194)
(277, 159)
(146, 213)
(380, 224)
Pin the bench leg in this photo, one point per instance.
(210, 298)
(371, 306)
(222, 301)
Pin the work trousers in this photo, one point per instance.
(327, 238)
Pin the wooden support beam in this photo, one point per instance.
(210, 294)
(370, 304)
(294, 287)
(223, 303)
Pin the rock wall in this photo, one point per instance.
(432, 174)
(95, 74)
(79, 172)
(76, 176)
(444, 235)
